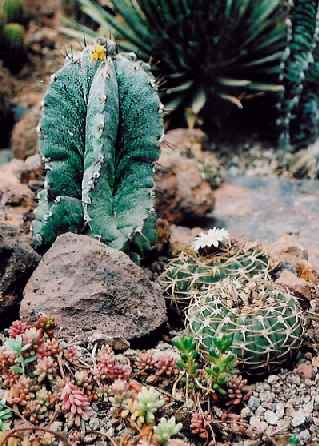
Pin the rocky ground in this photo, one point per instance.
(256, 192)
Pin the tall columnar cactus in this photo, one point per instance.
(266, 323)
(301, 45)
(100, 134)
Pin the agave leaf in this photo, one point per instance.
(199, 101)
(232, 100)
(233, 82)
(193, 44)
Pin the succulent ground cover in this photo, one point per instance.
(54, 393)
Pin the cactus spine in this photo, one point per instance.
(100, 134)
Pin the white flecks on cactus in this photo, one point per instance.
(212, 238)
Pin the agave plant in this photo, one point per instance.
(206, 52)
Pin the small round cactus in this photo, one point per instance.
(265, 322)
(13, 33)
(190, 272)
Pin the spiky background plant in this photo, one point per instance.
(266, 323)
(206, 52)
(212, 55)
(299, 103)
(99, 136)
(12, 50)
(190, 272)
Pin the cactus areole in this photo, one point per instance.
(100, 137)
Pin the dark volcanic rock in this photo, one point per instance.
(17, 262)
(93, 291)
(264, 209)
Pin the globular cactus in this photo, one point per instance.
(266, 323)
(99, 137)
(12, 50)
(13, 33)
(190, 272)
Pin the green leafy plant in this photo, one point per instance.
(187, 348)
(215, 55)
(207, 53)
(166, 429)
(22, 354)
(221, 363)
(99, 137)
(5, 417)
(293, 441)
(146, 405)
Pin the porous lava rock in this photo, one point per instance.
(93, 291)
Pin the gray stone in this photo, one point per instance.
(304, 436)
(271, 417)
(272, 379)
(245, 412)
(17, 262)
(258, 425)
(253, 403)
(266, 396)
(299, 418)
(93, 291)
(280, 410)
(260, 411)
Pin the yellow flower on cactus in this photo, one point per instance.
(98, 53)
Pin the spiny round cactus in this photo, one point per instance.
(99, 137)
(190, 272)
(266, 323)
(205, 51)
(13, 33)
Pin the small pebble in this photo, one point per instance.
(298, 419)
(271, 417)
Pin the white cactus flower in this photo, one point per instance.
(213, 237)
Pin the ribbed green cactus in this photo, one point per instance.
(100, 134)
(189, 273)
(266, 323)
(295, 101)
